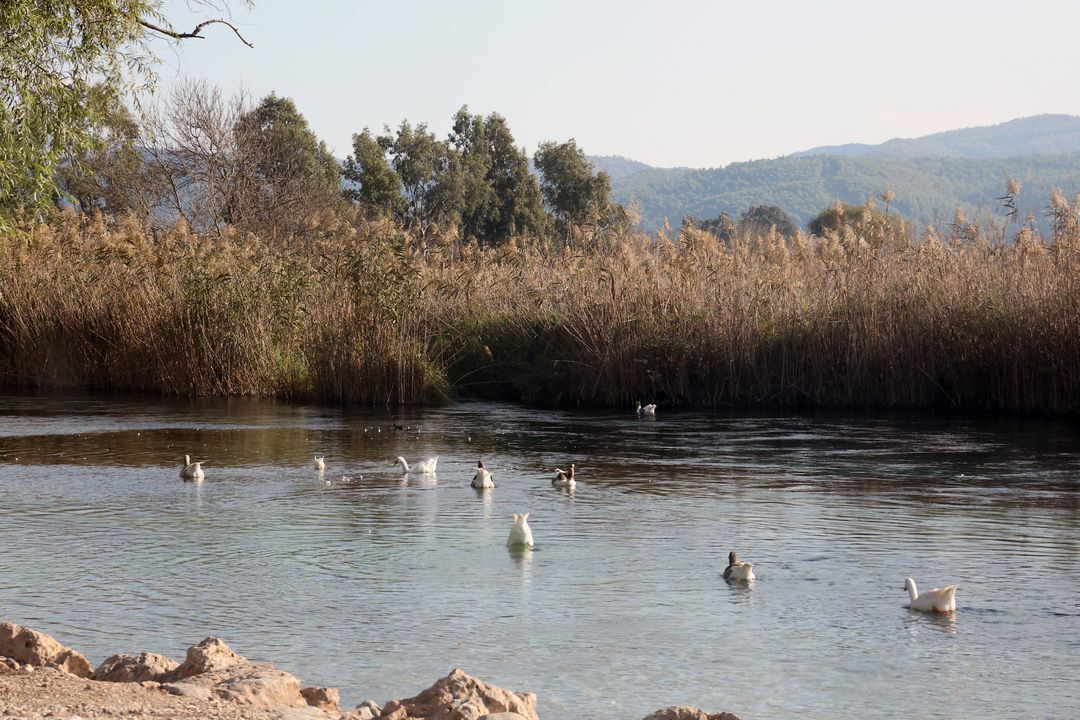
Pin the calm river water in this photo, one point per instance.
(379, 586)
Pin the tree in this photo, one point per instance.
(569, 187)
(856, 217)
(430, 175)
(291, 176)
(760, 219)
(722, 227)
(63, 64)
(501, 197)
(378, 187)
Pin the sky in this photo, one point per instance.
(676, 83)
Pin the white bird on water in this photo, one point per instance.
(563, 478)
(424, 466)
(191, 470)
(649, 410)
(521, 533)
(320, 463)
(738, 570)
(938, 600)
(482, 478)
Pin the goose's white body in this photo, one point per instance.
(649, 409)
(521, 533)
(191, 470)
(320, 463)
(564, 479)
(424, 466)
(482, 478)
(939, 600)
(738, 570)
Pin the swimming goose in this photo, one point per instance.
(191, 470)
(649, 409)
(737, 569)
(482, 478)
(938, 600)
(521, 533)
(424, 466)
(564, 479)
(319, 464)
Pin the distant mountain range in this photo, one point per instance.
(931, 175)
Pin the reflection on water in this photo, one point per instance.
(377, 582)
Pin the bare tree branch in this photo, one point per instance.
(194, 33)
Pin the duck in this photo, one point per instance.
(320, 463)
(191, 470)
(564, 479)
(649, 409)
(938, 600)
(521, 533)
(424, 466)
(482, 478)
(737, 569)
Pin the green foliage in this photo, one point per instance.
(430, 174)
(377, 186)
(570, 189)
(501, 198)
(62, 65)
(722, 227)
(856, 217)
(759, 219)
(284, 147)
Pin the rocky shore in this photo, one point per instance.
(40, 678)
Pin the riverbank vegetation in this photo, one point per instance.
(366, 311)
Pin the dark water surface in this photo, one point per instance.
(381, 585)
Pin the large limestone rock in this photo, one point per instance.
(40, 650)
(135, 668)
(685, 712)
(209, 655)
(245, 684)
(460, 696)
(327, 699)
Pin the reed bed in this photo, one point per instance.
(362, 312)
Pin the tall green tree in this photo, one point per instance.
(63, 64)
(430, 173)
(377, 186)
(290, 174)
(759, 219)
(569, 187)
(501, 197)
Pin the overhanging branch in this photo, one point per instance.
(194, 33)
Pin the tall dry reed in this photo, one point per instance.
(866, 318)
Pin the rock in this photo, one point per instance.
(38, 649)
(188, 690)
(502, 716)
(460, 696)
(367, 710)
(685, 712)
(249, 684)
(135, 668)
(209, 655)
(327, 699)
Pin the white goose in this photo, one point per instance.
(649, 410)
(564, 479)
(521, 533)
(938, 600)
(320, 463)
(738, 570)
(424, 466)
(191, 470)
(482, 478)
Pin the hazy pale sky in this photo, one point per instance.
(692, 83)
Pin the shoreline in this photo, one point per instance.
(41, 678)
